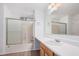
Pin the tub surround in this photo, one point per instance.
(24, 53)
(59, 48)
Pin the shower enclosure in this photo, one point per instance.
(19, 33)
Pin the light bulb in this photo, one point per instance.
(51, 5)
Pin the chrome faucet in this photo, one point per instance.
(57, 40)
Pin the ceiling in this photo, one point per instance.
(27, 6)
(25, 9)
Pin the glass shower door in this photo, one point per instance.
(14, 32)
(27, 31)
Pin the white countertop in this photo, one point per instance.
(64, 49)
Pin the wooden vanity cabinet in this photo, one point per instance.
(44, 51)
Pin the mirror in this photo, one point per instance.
(62, 19)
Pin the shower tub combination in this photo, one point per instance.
(19, 35)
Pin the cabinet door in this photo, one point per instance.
(42, 52)
(49, 52)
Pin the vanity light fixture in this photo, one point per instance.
(54, 6)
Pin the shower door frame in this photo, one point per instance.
(7, 18)
(7, 30)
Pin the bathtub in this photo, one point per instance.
(19, 48)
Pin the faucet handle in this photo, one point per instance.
(57, 40)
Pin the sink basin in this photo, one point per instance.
(54, 43)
